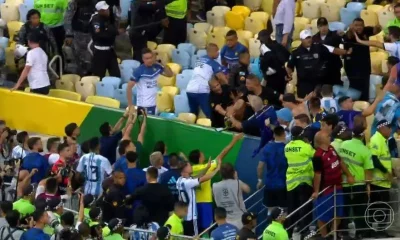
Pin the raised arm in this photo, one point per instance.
(226, 150)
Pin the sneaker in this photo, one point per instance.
(201, 17)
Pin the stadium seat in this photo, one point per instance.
(217, 39)
(134, 92)
(23, 10)
(311, 9)
(164, 102)
(187, 117)
(220, 30)
(216, 19)
(339, 3)
(90, 79)
(175, 67)
(254, 48)
(243, 10)
(377, 38)
(263, 16)
(337, 26)
(120, 95)
(130, 63)
(188, 47)
(254, 25)
(355, 6)
(105, 89)
(182, 81)
(65, 85)
(302, 20)
(9, 12)
(162, 57)
(375, 8)
(125, 8)
(360, 105)
(201, 52)
(255, 69)
(370, 18)
(171, 90)
(30, 3)
(164, 81)
(188, 72)
(330, 11)
(182, 58)
(194, 60)
(384, 16)
(151, 45)
(376, 62)
(298, 27)
(181, 103)
(198, 38)
(295, 44)
(204, 122)
(222, 9)
(85, 89)
(203, 27)
(165, 48)
(253, 5)
(347, 16)
(244, 37)
(114, 81)
(58, 93)
(13, 28)
(234, 20)
(103, 101)
(167, 115)
(384, 66)
(71, 78)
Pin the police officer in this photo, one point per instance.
(114, 198)
(103, 35)
(175, 29)
(310, 61)
(77, 31)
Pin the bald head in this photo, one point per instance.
(322, 139)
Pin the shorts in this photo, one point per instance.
(324, 206)
(275, 198)
(205, 215)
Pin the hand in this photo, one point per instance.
(314, 195)
(165, 22)
(267, 122)
(238, 137)
(68, 41)
(126, 113)
(350, 51)
(34, 171)
(356, 36)
(81, 198)
(15, 88)
(209, 162)
(288, 78)
(284, 40)
(143, 111)
(350, 180)
(260, 184)
(31, 222)
(17, 163)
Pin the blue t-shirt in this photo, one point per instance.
(121, 164)
(225, 231)
(231, 55)
(166, 161)
(347, 117)
(108, 146)
(169, 179)
(256, 123)
(36, 160)
(135, 178)
(35, 234)
(274, 158)
(146, 84)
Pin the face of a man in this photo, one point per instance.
(216, 87)
(397, 12)
(231, 41)
(148, 59)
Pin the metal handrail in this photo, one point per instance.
(212, 225)
(61, 66)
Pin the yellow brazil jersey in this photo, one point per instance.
(204, 191)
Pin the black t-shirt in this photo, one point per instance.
(268, 95)
(224, 99)
(114, 202)
(237, 78)
(245, 234)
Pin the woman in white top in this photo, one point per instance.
(36, 67)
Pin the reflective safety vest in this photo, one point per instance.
(105, 230)
(176, 9)
(300, 168)
(379, 148)
(51, 11)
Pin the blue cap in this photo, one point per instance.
(285, 114)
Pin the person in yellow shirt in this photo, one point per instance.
(174, 222)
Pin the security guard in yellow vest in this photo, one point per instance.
(175, 28)
(299, 176)
(382, 163)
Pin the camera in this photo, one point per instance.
(139, 110)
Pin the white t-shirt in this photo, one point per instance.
(393, 49)
(329, 104)
(187, 193)
(18, 152)
(202, 73)
(94, 167)
(37, 77)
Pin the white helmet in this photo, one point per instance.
(20, 51)
(2, 23)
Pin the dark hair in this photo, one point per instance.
(21, 136)
(331, 120)
(31, 13)
(152, 172)
(85, 146)
(393, 60)
(396, 6)
(173, 160)
(345, 135)
(6, 206)
(40, 204)
(51, 185)
(12, 218)
(62, 146)
(322, 22)
(194, 156)
(68, 218)
(146, 51)
(279, 131)
(123, 145)
(326, 90)
(131, 157)
(94, 143)
(314, 103)
(394, 31)
(34, 36)
(69, 234)
(69, 129)
(360, 19)
(37, 214)
(231, 33)
(105, 129)
(180, 204)
(84, 229)
(159, 147)
(220, 213)
(227, 171)
(51, 141)
(303, 118)
(252, 77)
(32, 142)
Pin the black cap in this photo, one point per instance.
(297, 131)
(247, 217)
(382, 123)
(277, 213)
(342, 99)
(163, 233)
(116, 223)
(28, 190)
(289, 97)
(322, 22)
(88, 200)
(54, 203)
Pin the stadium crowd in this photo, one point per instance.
(313, 143)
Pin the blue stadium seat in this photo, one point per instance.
(182, 81)
(125, 6)
(115, 81)
(134, 91)
(168, 115)
(188, 73)
(120, 95)
(127, 67)
(193, 61)
(29, 3)
(255, 69)
(337, 26)
(130, 63)
(181, 57)
(347, 16)
(105, 89)
(355, 6)
(4, 42)
(188, 47)
(181, 103)
(23, 10)
(201, 52)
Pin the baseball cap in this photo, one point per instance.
(342, 99)
(116, 223)
(54, 203)
(102, 5)
(247, 217)
(297, 131)
(285, 114)
(163, 233)
(305, 34)
(382, 123)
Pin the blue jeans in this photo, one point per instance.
(199, 100)
(150, 110)
(279, 35)
(340, 91)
